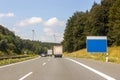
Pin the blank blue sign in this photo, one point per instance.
(96, 44)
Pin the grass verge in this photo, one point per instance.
(9, 61)
(114, 55)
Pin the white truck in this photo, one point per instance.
(49, 52)
(58, 50)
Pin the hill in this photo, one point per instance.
(14, 45)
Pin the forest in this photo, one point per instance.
(101, 20)
(10, 44)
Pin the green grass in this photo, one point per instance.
(9, 61)
(114, 55)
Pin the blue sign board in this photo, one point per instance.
(96, 44)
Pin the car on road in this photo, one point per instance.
(43, 55)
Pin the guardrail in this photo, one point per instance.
(13, 57)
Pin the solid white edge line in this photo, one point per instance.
(26, 76)
(93, 70)
(18, 63)
(44, 64)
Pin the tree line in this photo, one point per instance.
(14, 45)
(102, 20)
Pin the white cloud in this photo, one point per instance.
(10, 15)
(35, 20)
(30, 21)
(57, 37)
(6, 15)
(48, 31)
(54, 22)
(15, 30)
(45, 39)
(1, 15)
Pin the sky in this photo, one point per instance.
(47, 18)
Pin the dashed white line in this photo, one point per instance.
(44, 64)
(48, 59)
(93, 70)
(26, 76)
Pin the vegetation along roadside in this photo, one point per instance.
(14, 60)
(114, 55)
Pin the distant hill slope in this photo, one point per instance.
(7, 41)
(12, 45)
(4, 31)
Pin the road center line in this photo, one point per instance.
(48, 59)
(44, 64)
(93, 70)
(26, 76)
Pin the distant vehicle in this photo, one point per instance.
(58, 50)
(43, 55)
(49, 52)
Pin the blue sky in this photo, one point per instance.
(46, 17)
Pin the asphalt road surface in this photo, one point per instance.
(49, 68)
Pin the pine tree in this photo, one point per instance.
(114, 24)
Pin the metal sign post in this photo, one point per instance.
(107, 57)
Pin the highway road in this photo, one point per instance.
(49, 68)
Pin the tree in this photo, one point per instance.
(114, 24)
(68, 40)
(98, 18)
(74, 38)
(89, 23)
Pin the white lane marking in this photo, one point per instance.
(18, 63)
(26, 76)
(44, 64)
(93, 70)
(48, 59)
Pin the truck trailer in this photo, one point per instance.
(58, 50)
(49, 52)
